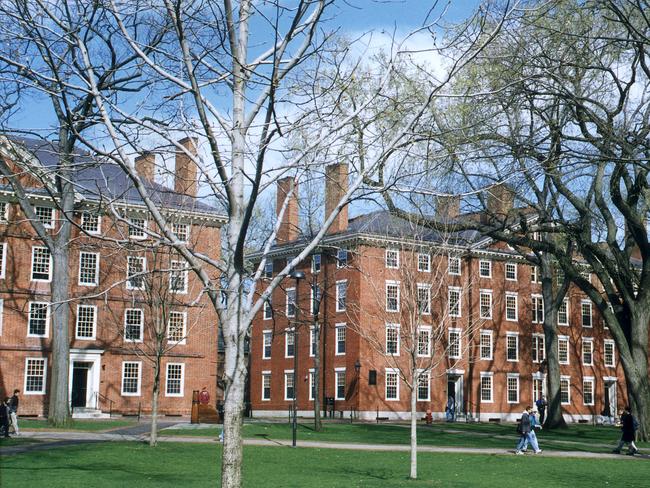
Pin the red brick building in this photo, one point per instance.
(478, 325)
(111, 264)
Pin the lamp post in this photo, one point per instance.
(296, 275)
(357, 370)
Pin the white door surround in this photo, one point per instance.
(94, 358)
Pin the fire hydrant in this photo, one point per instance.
(428, 418)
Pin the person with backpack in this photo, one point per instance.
(524, 428)
(629, 426)
(541, 405)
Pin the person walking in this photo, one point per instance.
(629, 427)
(524, 429)
(4, 416)
(532, 435)
(13, 411)
(541, 405)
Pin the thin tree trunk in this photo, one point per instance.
(153, 440)
(554, 418)
(414, 430)
(317, 420)
(635, 368)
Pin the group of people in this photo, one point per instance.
(9, 414)
(526, 429)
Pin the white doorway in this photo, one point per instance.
(84, 378)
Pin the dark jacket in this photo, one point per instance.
(525, 423)
(4, 413)
(628, 426)
(13, 404)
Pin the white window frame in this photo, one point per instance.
(76, 325)
(427, 376)
(2, 313)
(541, 377)
(536, 338)
(392, 283)
(563, 338)
(427, 287)
(287, 373)
(585, 341)
(182, 272)
(337, 329)
(4, 212)
(47, 319)
(591, 314)
(182, 380)
(339, 283)
(3, 256)
(41, 391)
(592, 380)
(426, 329)
(563, 323)
(391, 255)
(395, 327)
(566, 378)
(288, 293)
(450, 267)
(505, 270)
(459, 331)
(142, 273)
(138, 392)
(534, 274)
(312, 302)
(455, 289)
(485, 293)
(183, 331)
(97, 256)
(48, 225)
(609, 342)
(314, 268)
(266, 374)
(176, 229)
(137, 228)
(486, 374)
(514, 295)
(268, 269)
(510, 335)
(486, 333)
(289, 332)
(393, 372)
(126, 311)
(311, 374)
(267, 307)
(534, 302)
(340, 263)
(336, 383)
(427, 268)
(481, 263)
(99, 223)
(49, 266)
(511, 376)
(267, 333)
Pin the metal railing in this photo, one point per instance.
(99, 397)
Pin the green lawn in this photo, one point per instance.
(84, 425)
(16, 441)
(112, 464)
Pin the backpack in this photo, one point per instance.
(519, 429)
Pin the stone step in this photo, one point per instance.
(89, 413)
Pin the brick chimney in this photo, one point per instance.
(145, 165)
(500, 200)
(289, 229)
(448, 207)
(186, 176)
(336, 186)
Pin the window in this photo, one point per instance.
(267, 341)
(182, 231)
(90, 222)
(2, 308)
(539, 352)
(266, 386)
(609, 354)
(3, 258)
(4, 212)
(313, 341)
(485, 268)
(453, 267)
(424, 341)
(341, 295)
(535, 274)
(176, 326)
(563, 349)
(35, 376)
(392, 258)
(539, 388)
(392, 296)
(423, 387)
(268, 269)
(88, 269)
(485, 299)
(587, 351)
(565, 390)
(268, 309)
(513, 387)
(511, 307)
(39, 319)
(289, 343)
(424, 263)
(512, 346)
(563, 313)
(392, 339)
(315, 263)
(537, 303)
(424, 299)
(131, 375)
(588, 387)
(137, 228)
(454, 344)
(178, 277)
(133, 324)
(175, 379)
(486, 344)
(41, 263)
(291, 302)
(486, 387)
(135, 269)
(559, 276)
(312, 384)
(46, 216)
(341, 258)
(315, 299)
(511, 271)
(453, 299)
(392, 384)
(86, 322)
(340, 383)
(585, 307)
(340, 339)
(289, 390)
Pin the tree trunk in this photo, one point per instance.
(554, 418)
(153, 438)
(414, 430)
(635, 367)
(318, 425)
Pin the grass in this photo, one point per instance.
(17, 441)
(81, 425)
(116, 464)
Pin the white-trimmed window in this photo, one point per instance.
(39, 319)
(587, 351)
(178, 277)
(133, 324)
(392, 296)
(177, 327)
(46, 216)
(485, 299)
(2, 310)
(537, 304)
(289, 390)
(341, 295)
(175, 376)
(137, 228)
(588, 389)
(563, 349)
(392, 258)
(454, 344)
(535, 276)
(131, 378)
(91, 222)
(289, 343)
(586, 310)
(609, 354)
(485, 268)
(424, 388)
(315, 299)
(539, 386)
(316, 263)
(424, 341)
(424, 262)
(313, 341)
(392, 339)
(267, 342)
(563, 313)
(511, 271)
(559, 276)
(392, 384)
(3, 259)
(41, 264)
(268, 309)
(565, 390)
(135, 269)
(268, 269)
(4, 212)
(424, 299)
(266, 385)
(453, 300)
(340, 339)
(453, 266)
(512, 346)
(312, 385)
(538, 350)
(182, 231)
(88, 268)
(86, 322)
(486, 345)
(512, 380)
(486, 387)
(35, 376)
(339, 377)
(341, 258)
(512, 310)
(291, 302)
